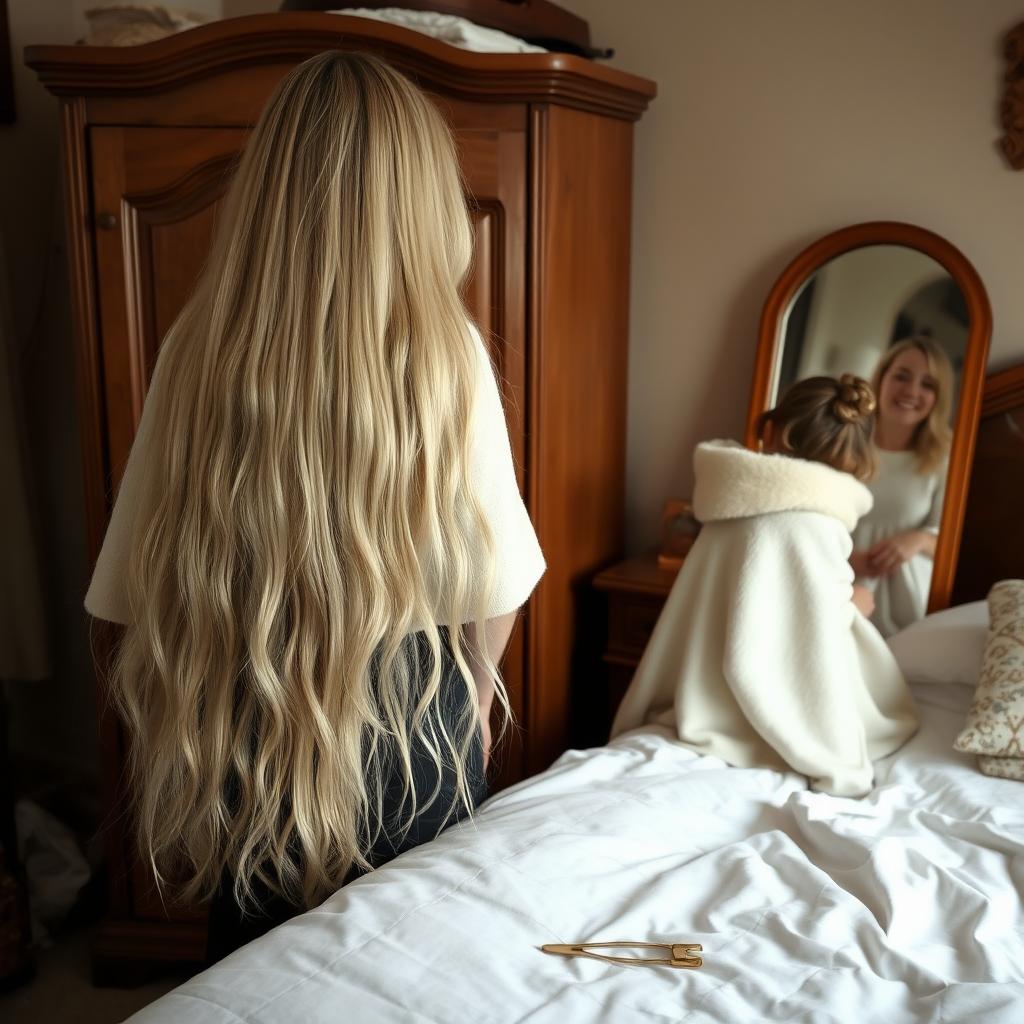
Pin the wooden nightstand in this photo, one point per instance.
(636, 590)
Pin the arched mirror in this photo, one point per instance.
(899, 305)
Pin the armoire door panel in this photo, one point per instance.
(155, 197)
(170, 232)
(483, 289)
(494, 168)
(579, 304)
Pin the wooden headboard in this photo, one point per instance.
(993, 540)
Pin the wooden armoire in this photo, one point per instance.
(150, 136)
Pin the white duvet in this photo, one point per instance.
(901, 906)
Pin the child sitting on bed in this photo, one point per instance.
(762, 655)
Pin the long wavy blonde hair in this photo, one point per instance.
(933, 435)
(308, 503)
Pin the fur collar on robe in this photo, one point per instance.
(733, 482)
(760, 657)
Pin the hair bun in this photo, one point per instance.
(854, 399)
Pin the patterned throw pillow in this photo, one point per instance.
(995, 724)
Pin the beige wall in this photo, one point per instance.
(29, 154)
(52, 720)
(777, 122)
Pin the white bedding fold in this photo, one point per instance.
(902, 906)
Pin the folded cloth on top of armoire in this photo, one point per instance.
(449, 28)
(759, 656)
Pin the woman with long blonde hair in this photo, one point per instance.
(894, 544)
(318, 546)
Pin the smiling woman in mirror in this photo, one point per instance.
(900, 304)
(894, 544)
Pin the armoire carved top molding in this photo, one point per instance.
(287, 37)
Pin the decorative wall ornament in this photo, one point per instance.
(1011, 110)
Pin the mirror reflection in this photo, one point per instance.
(894, 316)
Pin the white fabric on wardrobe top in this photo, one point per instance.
(448, 28)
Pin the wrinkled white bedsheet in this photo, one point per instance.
(902, 906)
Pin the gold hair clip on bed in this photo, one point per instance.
(679, 953)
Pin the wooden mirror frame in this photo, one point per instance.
(972, 379)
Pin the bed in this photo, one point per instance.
(901, 906)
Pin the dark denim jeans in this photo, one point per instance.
(229, 928)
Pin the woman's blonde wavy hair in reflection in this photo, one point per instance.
(308, 505)
(933, 436)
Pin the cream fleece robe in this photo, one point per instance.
(517, 562)
(760, 657)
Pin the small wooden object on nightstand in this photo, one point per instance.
(679, 530)
(637, 589)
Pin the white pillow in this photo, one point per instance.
(944, 647)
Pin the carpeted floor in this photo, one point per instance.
(62, 990)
